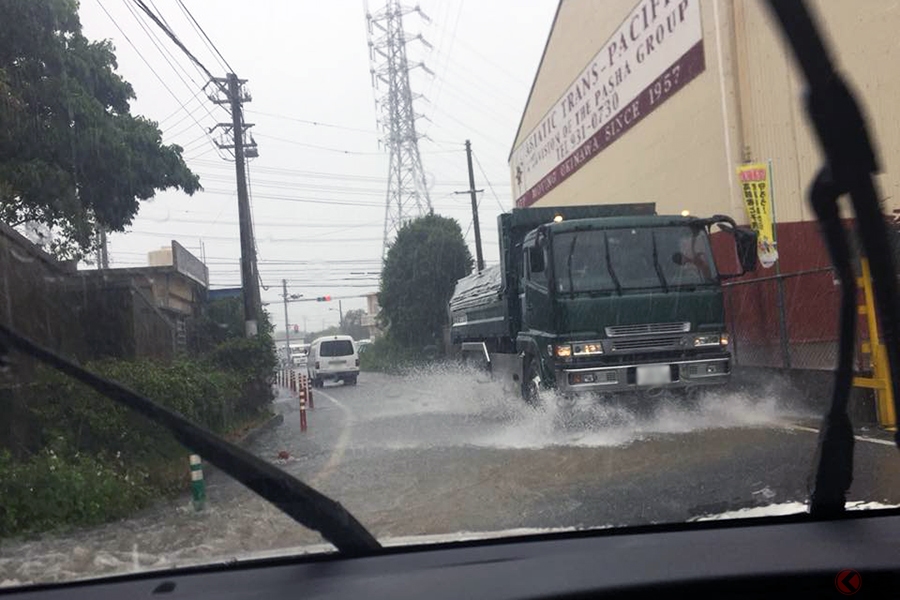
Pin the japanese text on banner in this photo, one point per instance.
(756, 190)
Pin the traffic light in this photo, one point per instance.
(323, 299)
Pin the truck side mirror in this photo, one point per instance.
(745, 241)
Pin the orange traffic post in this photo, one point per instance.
(302, 395)
(309, 392)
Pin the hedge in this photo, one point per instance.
(87, 459)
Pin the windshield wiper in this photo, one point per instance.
(659, 273)
(299, 501)
(849, 168)
(609, 266)
(569, 262)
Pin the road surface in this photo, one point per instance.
(441, 453)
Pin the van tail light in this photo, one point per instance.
(317, 364)
(357, 362)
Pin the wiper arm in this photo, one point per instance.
(849, 168)
(296, 499)
(659, 273)
(609, 266)
(569, 262)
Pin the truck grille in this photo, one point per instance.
(647, 329)
(642, 343)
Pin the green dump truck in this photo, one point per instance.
(602, 299)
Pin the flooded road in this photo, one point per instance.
(442, 453)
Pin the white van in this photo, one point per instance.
(333, 357)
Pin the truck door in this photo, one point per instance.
(535, 302)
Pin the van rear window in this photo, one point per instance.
(336, 348)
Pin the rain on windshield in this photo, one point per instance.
(681, 257)
(192, 194)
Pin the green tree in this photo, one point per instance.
(353, 324)
(71, 154)
(419, 274)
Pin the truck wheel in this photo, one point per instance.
(532, 385)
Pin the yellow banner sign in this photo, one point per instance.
(756, 187)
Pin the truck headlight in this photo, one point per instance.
(712, 339)
(563, 351)
(587, 349)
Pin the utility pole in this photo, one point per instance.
(287, 325)
(479, 255)
(234, 97)
(102, 249)
(341, 313)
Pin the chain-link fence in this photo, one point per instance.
(786, 320)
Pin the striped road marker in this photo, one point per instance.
(198, 486)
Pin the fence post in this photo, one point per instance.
(729, 292)
(782, 325)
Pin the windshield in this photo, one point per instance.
(336, 348)
(636, 259)
(555, 262)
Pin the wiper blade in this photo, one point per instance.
(659, 273)
(299, 501)
(609, 266)
(849, 168)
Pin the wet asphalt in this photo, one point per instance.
(442, 452)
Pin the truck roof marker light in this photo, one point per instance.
(558, 218)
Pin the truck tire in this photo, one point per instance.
(533, 389)
(350, 380)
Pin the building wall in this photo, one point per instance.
(745, 105)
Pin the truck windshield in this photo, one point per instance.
(581, 263)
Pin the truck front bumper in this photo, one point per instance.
(682, 373)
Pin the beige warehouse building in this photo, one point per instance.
(661, 100)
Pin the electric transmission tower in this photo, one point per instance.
(407, 192)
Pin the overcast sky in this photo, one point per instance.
(318, 185)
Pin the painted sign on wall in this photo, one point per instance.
(655, 52)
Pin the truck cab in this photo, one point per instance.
(622, 303)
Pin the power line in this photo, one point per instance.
(173, 37)
(488, 181)
(315, 123)
(200, 28)
(326, 148)
(146, 62)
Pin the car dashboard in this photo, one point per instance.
(773, 557)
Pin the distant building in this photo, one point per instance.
(174, 286)
(369, 319)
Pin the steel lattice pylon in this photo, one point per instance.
(407, 192)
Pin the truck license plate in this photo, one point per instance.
(337, 362)
(654, 375)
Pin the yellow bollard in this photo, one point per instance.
(880, 381)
